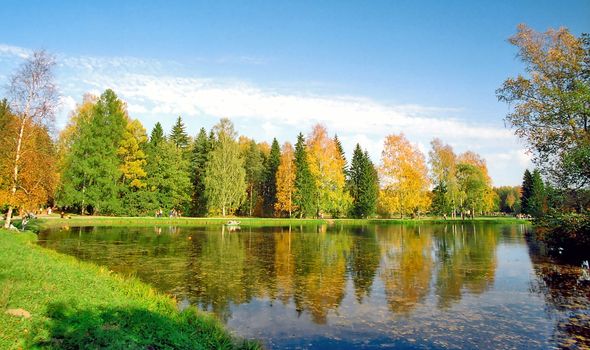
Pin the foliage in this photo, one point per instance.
(168, 182)
(404, 177)
(285, 181)
(304, 198)
(178, 135)
(92, 176)
(225, 177)
(327, 164)
(254, 168)
(200, 155)
(270, 185)
(131, 151)
(570, 231)
(363, 184)
(33, 101)
(509, 199)
(472, 188)
(533, 194)
(550, 105)
(443, 167)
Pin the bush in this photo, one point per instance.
(570, 231)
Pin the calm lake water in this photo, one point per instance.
(338, 287)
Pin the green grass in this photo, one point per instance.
(165, 221)
(78, 305)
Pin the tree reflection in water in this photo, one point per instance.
(385, 280)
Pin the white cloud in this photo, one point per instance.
(157, 90)
(14, 51)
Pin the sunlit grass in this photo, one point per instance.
(76, 305)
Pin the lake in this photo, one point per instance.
(438, 286)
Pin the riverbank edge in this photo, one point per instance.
(63, 302)
(46, 222)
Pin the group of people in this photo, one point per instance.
(173, 213)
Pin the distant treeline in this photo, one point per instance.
(105, 163)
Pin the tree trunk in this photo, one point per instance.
(15, 173)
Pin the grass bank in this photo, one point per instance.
(76, 305)
(165, 221)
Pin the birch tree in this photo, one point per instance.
(33, 100)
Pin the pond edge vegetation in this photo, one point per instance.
(62, 302)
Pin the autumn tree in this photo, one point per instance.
(225, 177)
(131, 151)
(488, 196)
(550, 103)
(33, 99)
(404, 177)
(363, 184)
(285, 181)
(134, 196)
(200, 155)
(38, 166)
(305, 197)
(327, 164)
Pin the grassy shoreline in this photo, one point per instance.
(44, 222)
(75, 304)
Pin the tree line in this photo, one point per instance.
(105, 163)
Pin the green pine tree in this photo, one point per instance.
(200, 155)
(305, 188)
(342, 155)
(269, 187)
(254, 167)
(363, 184)
(157, 135)
(168, 181)
(178, 136)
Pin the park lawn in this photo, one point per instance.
(77, 305)
(76, 220)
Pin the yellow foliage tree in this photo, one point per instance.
(326, 165)
(286, 180)
(132, 155)
(404, 177)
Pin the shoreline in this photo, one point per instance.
(60, 301)
(46, 222)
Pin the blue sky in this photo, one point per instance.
(363, 68)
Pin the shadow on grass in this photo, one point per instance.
(120, 328)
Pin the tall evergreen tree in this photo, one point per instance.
(270, 178)
(342, 155)
(536, 201)
(254, 167)
(178, 136)
(200, 155)
(157, 135)
(527, 191)
(305, 188)
(168, 181)
(92, 177)
(363, 184)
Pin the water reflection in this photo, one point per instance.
(334, 286)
